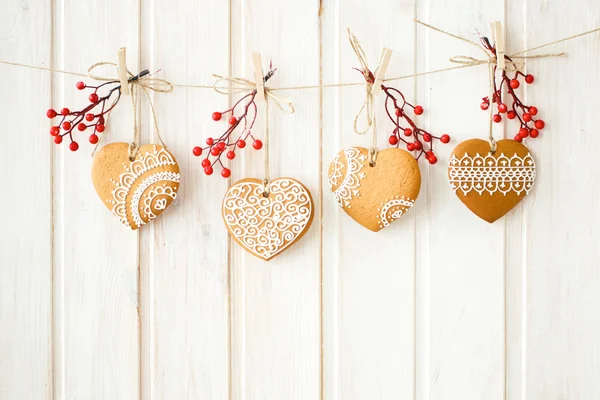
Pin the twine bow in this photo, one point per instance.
(491, 61)
(244, 85)
(368, 105)
(136, 81)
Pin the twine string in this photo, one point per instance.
(492, 79)
(491, 61)
(160, 85)
(267, 172)
(368, 105)
(473, 62)
(135, 82)
(237, 85)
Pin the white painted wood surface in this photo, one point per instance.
(439, 306)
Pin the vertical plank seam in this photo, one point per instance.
(229, 240)
(138, 259)
(415, 235)
(524, 255)
(504, 264)
(415, 227)
(321, 319)
(52, 387)
(58, 300)
(140, 325)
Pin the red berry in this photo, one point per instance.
(526, 117)
(539, 124)
(231, 155)
(418, 110)
(407, 132)
(66, 125)
(93, 98)
(429, 154)
(432, 159)
(426, 137)
(241, 143)
(233, 120)
(484, 105)
(89, 117)
(410, 146)
(93, 138)
(533, 110)
(523, 132)
(215, 151)
(445, 139)
(225, 172)
(80, 85)
(221, 146)
(529, 78)
(51, 113)
(216, 116)
(497, 118)
(502, 108)
(100, 128)
(398, 112)
(257, 144)
(511, 114)
(197, 151)
(54, 131)
(205, 163)
(58, 139)
(208, 170)
(210, 141)
(81, 127)
(65, 111)
(514, 84)
(518, 138)
(73, 146)
(418, 145)
(534, 133)
(393, 140)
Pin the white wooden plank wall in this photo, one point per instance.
(439, 306)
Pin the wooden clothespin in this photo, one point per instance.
(258, 76)
(123, 71)
(384, 61)
(498, 37)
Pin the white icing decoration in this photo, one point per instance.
(393, 209)
(147, 162)
(267, 226)
(157, 191)
(492, 174)
(354, 163)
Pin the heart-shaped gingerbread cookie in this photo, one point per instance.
(267, 225)
(374, 196)
(135, 191)
(491, 185)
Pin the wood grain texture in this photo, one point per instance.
(275, 305)
(561, 326)
(95, 285)
(368, 353)
(26, 196)
(460, 258)
(183, 268)
(440, 305)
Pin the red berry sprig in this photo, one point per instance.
(92, 117)
(405, 129)
(529, 126)
(227, 143)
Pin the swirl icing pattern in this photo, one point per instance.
(265, 226)
(144, 187)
